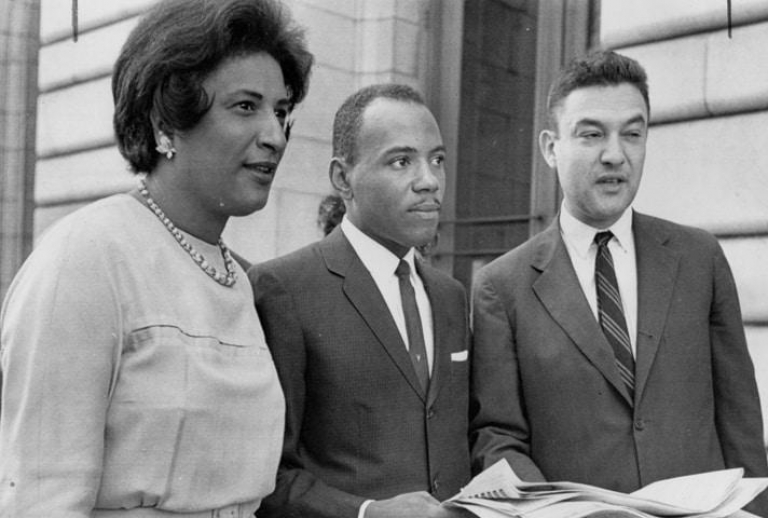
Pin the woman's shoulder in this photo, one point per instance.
(107, 209)
(81, 246)
(102, 219)
(104, 227)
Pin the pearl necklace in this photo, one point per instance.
(229, 263)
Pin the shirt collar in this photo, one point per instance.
(580, 236)
(376, 258)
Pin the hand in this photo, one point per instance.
(418, 504)
(454, 512)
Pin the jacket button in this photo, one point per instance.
(430, 413)
(435, 485)
(640, 425)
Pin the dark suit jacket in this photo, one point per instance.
(547, 396)
(358, 425)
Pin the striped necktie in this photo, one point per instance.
(611, 312)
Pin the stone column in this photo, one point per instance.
(19, 44)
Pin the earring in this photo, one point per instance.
(165, 146)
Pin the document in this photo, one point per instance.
(498, 492)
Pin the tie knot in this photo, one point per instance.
(403, 270)
(602, 238)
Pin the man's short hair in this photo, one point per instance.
(601, 68)
(349, 117)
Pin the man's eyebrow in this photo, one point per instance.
(411, 149)
(400, 149)
(636, 118)
(589, 122)
(595, 122)
(438, 149)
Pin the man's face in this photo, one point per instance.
(394, 191)
(598, 151)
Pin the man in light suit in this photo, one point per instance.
(377, 409)
(549, 391)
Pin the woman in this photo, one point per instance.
(137, 380)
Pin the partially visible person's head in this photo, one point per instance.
(330, 213)
(388, 165)
(601, 68)
(599, 106)
(176, 46)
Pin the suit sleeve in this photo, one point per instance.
(737, 406)
(298, 492)
(498, 424)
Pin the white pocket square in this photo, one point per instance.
(460, 356)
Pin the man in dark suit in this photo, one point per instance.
(373, 365)
(615, 360)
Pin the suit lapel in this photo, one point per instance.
(559, 291)
(656, 272)
(441, 362)
(362, 292)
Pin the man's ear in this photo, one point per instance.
(338, 172)
(547, 140)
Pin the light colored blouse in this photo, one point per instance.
(131, 378)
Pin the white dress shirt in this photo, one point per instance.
(579, 241)
(381, 263)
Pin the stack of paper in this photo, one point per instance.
(498, 493)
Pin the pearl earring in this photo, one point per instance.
(165, 146)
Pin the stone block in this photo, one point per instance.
(748, 258)
(708, 173)
(75, 117)
(676, 75)
(93, 53)
(737, 77)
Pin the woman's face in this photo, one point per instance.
(228, 160)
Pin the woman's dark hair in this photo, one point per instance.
(174, 48)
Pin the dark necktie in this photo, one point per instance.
(611, 312)
(416, 347)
